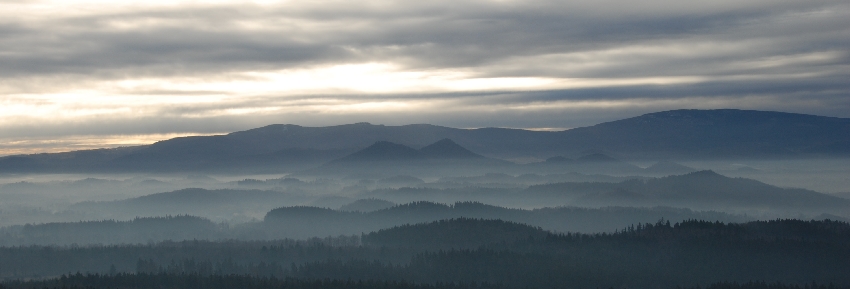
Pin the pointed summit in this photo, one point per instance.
(447, 149)
(383, 151)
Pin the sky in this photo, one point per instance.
(88, 74)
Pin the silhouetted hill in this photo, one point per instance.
(300, 222)
(460, 233)
(724, 133)
(217, 204)
(523, 180)
(367, 205)
(702, 189)
(138, 230)
(383, 151)
(447, 149)
(589, 163)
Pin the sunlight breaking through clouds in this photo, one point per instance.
(86, 68)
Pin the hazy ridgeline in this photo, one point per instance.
(668, 202)
(240, 199)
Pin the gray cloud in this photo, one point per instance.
(771, 55)
(214, 40)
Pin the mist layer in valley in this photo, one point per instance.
(291, 188)
(353, 192)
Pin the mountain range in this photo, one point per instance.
(676, 134)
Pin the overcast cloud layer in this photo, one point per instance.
(96, 73)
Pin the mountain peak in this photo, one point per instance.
(446, 148)
(384, 150)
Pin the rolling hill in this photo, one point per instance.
(701, 190)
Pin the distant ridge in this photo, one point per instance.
(668, 167)
(382, 151)
(324, 222)
(596, 158)
(670, 135)
(721, 133)
(707, 189)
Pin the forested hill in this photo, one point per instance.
(138, 230)
(660, 254)
(663, 135)
(300, 221)
(651, 255)
(460, 233)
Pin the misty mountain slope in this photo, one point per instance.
(56, 194)
(367, 205)
(684, 134)
(138, 230)
(523, 180)
(703, 190)
(301, 222)
(593, 163)
(222, 204)
(669, 168)
(306, 222)
(710, 186)
(399, 181)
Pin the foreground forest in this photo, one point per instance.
(462, 253)
(196, 281)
